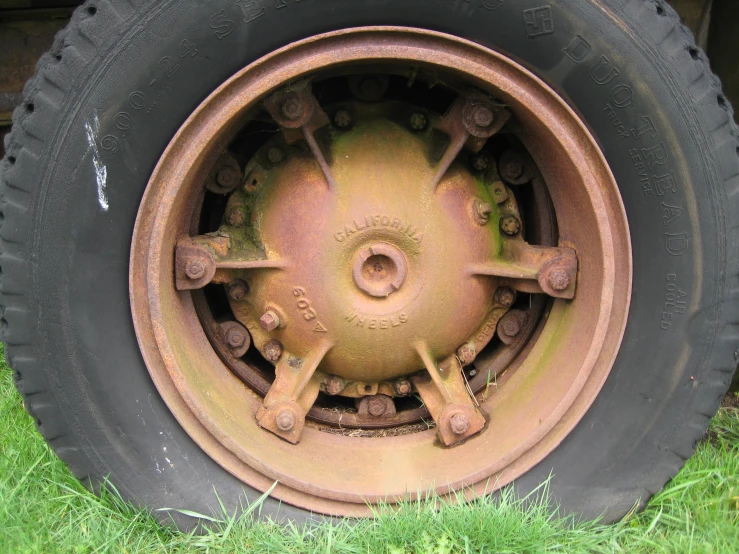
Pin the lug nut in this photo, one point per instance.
(292, 108)
(459, 424)
(481, 162)
(238, 290)
(195, 269)
(510, 327)
(343, 119)
(512, 168)
(273, 350)
(403, 387)
(275, 155)
(558, 279)
(483, 116)
(334, 385)
(235, 338)
(376, 406)
(510, 225)
(227, 177)
(504, 296)
(466, 354)
(418, 121)
(269, 321)
(483, 211)
(285, 420)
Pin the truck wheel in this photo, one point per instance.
(368, 249)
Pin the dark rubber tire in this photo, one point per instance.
(65, 250)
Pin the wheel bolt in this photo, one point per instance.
(285, 420)
(459, 424)
(269, 321)
(376, 406)
(238, 290)
(510, 225)
(483, 211)
(273, 350)
(418, 121)
(195, 269)
(511, 327)
(235, 338)
(275, 155)
(343, 119)
(483, 116)
(292, 109)
(558, 279)
(512, 169)
(466, 353)
(334, 385)
(227, 177)
(505, 296)
(481, 162)
(403, 387)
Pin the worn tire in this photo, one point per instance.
(65, 250)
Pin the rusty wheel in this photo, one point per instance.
(326, 301)
(366, 250)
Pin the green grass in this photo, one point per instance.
(43, 508)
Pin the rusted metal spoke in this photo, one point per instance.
(297, 111)
(204, 259)
(534, 269)
(471, 121)
(445, 394)
(295, 389)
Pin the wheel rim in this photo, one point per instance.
(555, 379)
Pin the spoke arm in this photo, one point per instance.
(548, 269)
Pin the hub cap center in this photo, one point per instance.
(380, 269)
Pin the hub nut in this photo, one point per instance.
(273, 350)
(269, 321)
(195, 269)
(459, 424)
(510, 225)
(285, 420)
(466, 354)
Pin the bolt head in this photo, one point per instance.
(512, 168)
(558, 279)
(418, 121)
(236, 218)
(238, 290)
(334, 385)
(195, 269)
(484, 209)
(403, 387)
(285, 420)
(510, 327)
(227, 177)
(269, 321)
(235, 338)
(510, 225)
(483, 116)
(343, 119)
(292, 109)
(505, 296)
(275, 155)
(376, 406)
(273, 350)
(481, 162)
(466, 354)
(459, 424)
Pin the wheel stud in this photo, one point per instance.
(558, 280)
(418, 121)
(504, 296)
(510, 225)
(466, 354)
(238, 290)
(275, 155)
(334, 385)
(292, 109)
(273, 350)
(343, 119)
(195, 269)
(459, 424)
(269, 321)
(285, 420)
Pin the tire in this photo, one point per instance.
(66, 317)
